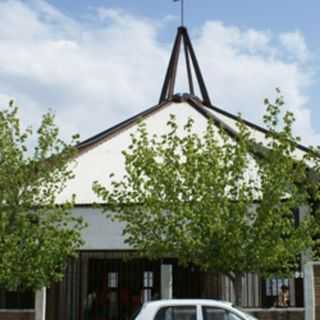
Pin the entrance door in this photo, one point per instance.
(117, 288)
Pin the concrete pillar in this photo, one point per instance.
(40, 304)
(312, 290)
(166, 281)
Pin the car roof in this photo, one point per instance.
(180, 302)
(156, 305)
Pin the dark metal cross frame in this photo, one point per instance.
(167, 92)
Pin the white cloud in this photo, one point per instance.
(295, 45)
(243, 76)
(97, 72)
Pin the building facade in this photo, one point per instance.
(110, 280)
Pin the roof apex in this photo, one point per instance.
(192, 65)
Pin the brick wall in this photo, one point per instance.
(278, 314)
(16, 315)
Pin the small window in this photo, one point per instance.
(177, 313)
(147, 295)
(147, 286)
(273, 286)
(136, 313)
(210, 313)
(233, 316)
(148, 279)
(112, 280)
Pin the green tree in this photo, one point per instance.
(223, 203)
(37, 236)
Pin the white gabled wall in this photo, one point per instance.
(97, 163)
(257, 135)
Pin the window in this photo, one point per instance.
(112, 280)
(273, 286)
(214, 314)
(147, 295)
(148, 279)
(210, 313)
(16, 300)
(136, 314)
(296, 215)
(233, 316)
(177, 313)
(147, 286)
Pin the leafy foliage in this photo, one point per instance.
(36, 235)
(220, 203)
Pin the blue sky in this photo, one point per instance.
(274, 15)
(97, 62)
(277, 16)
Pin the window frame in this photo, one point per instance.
(227, 311)
(195, 306)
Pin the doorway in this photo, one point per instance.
(117, 288)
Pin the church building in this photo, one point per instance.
(108, 281)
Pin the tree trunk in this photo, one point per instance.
(40, 304)
(238, 289)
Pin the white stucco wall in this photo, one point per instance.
(257, 135)
(97, 163)
(101, 233)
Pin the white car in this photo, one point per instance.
(190, 310)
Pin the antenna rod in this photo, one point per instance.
(182, 11)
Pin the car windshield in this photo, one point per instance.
(136, 313)
(245, 313)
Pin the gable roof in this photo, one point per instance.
(98, 138)
(220, 118)
(101, 154)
